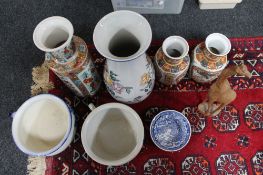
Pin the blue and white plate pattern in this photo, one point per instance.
(170, 130)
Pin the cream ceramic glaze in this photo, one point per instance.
(130, 78)
(52, 31)
(43, 126)
(218, 41)
(112, 134)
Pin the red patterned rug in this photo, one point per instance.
(229, 143)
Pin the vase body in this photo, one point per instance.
(67, 55)
(131, 81)
(209, 58)
(123, 37)
(172, 60)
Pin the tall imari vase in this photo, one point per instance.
(209, 58)
(67, 55)
(123, 37)
(172, 60)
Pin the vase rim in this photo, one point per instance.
(175, 39)
(45, 25)
(221, 37)
(130, 16)
(24, 106)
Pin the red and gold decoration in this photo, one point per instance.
(229, 143)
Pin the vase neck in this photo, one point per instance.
(168, 59)
(63, 55)
(208, 54)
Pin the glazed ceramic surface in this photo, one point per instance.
(206, 65)
(112, 134)
(63, 55)
(67, 55)
(129, 79)
(169, 69)
(79, 74)
(170, 130)
(54, 35)
(17, 129)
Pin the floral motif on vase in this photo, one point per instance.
(114, 85)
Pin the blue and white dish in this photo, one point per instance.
(170, 130)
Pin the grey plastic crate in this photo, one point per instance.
(149, 6)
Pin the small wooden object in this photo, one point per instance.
(220, 93)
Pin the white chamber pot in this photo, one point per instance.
(112, 134)
(43, 126)
(123, 37)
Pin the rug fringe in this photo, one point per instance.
(36, 165)
(40, 76)
(41, 84)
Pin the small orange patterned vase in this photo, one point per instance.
(209, 58)
(172, 60)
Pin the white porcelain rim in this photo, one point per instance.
(20, 111)
(131, 57)
(50, 19)
(175, 38)
(135, 150)
(226, 40)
